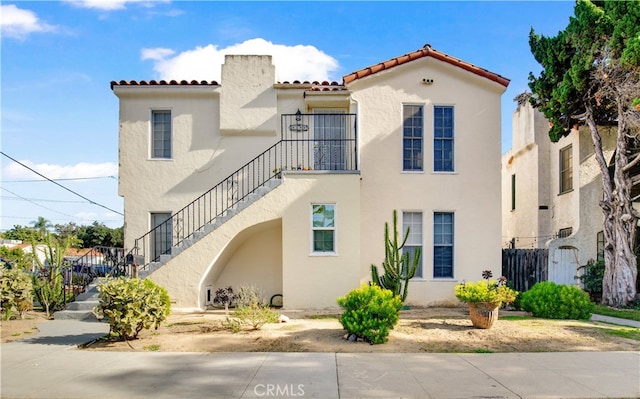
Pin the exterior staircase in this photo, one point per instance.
(208, 228)
(82, 307)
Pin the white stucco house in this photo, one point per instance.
(288, 185)
(551, 193)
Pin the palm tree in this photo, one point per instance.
(42, 225)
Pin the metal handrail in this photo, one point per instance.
(329, 143)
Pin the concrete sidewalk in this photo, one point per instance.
(49, 365)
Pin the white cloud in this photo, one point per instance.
(18, 23)
(110, 5)
(156, 54)
(297, 62)
(80, 170)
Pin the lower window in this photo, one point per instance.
(323, 228)
(413, 245)
(442, 245)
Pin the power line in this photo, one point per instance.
(34, 203)
(60, 185)
(66, 179)
(40, 199)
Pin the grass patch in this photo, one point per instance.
(628, 333)
(481, 350)
(15, 334)
(152, 348)
(629, 314)
(324, 316)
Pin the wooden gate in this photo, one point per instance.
(525, 267)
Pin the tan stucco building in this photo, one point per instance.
(294, 181)
(551, 193)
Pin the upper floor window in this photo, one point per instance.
(600, 245)
(161, 134)
(513, 192)
(412, 135)
(442, 244)
(323, 228)
(566, 169)
(443, 139)
(566, 232)
(413, 245)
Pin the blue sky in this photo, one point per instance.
(60, 117)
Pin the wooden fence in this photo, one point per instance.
(525, 267)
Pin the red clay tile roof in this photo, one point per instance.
(164, 83)
(426, 51)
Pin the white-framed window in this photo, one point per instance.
(413, 222)
(566, 169)
(443, 244)
(161, 139)
(161, 237)
(412, 137)
(323, 228)
(443, 130)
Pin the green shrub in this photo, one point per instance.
(593, 276)
(251, 309)
(16, 292)
(370, 312)
(557, 301)
(131, 305)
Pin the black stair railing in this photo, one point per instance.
(100, 261)
(325, 142)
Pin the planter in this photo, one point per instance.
(483, 314)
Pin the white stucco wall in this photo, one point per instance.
(535, 161)
(528, 160)
(205, 153)
(471, 192)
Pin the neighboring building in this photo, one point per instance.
(551, 193)
(27, 248)
(419, 133)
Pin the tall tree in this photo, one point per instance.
(42, 225)
(23, 233)
(591, 75)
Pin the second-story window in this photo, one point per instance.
(412, 134)
(566, 169)
(161, 134)
(443, 139)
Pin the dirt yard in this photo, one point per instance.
(419, 330)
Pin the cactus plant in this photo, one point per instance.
(398, 267)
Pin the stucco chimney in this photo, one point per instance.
(248, 104)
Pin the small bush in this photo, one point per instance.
(251, 310)
(16, 292)
(131, 305)
(370, 312)
(593, 276)
(557, 301)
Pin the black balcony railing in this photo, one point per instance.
(326, 142)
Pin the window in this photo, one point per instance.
(413, 221)
(161, 134)
(600, 245)
(323, 227)
(443, 139)
(564, 233)
(566, 169)
(161, 241)
(442, 244)
(412, 134)
(513, 192)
